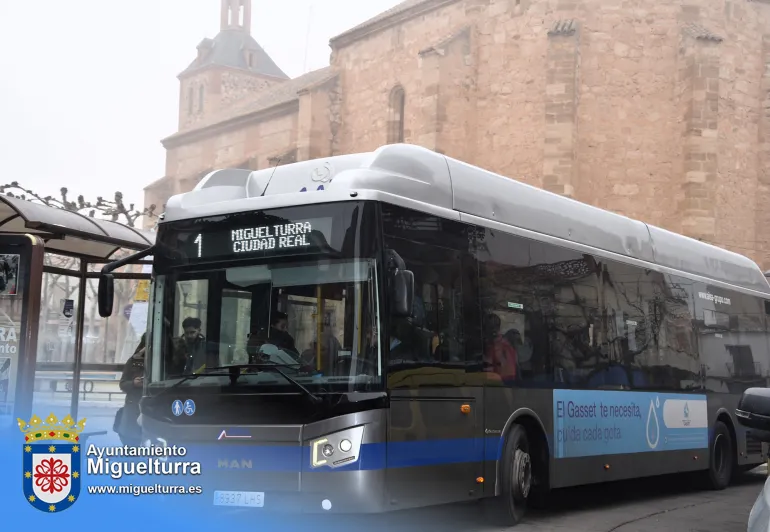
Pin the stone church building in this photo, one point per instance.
(656, 110)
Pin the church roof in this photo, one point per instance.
(395, 10)
(280, 94)
(229, 49)
(404, 10)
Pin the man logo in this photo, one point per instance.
(51, 476)
(234, 464)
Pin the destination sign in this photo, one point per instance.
(261, 240)
(283, 236)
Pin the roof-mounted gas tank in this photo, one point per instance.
(398, 169)
(425, 180)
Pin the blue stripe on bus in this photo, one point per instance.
(373, 456)
(434, 452)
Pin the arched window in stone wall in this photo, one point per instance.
(190, 100)
(201, 95)
(396, 115)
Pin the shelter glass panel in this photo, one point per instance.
(12, 293)
(56, 343)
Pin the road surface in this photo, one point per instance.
(666, 504)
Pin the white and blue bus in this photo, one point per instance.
(396, 329)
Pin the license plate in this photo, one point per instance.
(248, 499)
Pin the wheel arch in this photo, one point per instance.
(724, 416)
(534, 426)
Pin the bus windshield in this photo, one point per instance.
(293, 287)
(316, 320)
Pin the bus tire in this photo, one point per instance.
(509, 508)
(721, 458)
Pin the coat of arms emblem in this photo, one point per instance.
(51, 469)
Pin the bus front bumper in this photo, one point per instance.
(328, 492)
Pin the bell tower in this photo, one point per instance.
(230, 67)
(236, 15)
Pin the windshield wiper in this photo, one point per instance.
(234, 373)
(190, 377)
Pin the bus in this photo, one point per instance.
(399, 329)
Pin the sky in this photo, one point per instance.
(88, 88)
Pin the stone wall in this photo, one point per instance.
(699, 73)
(251, 145)
(742, 25)
(191, 113)
(314, 121)
(651, 110)
(658, 111)
(222, 88)
(241, 86)
(369, 69)
(560, 172)
(762, 208)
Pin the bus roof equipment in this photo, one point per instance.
(418, 178)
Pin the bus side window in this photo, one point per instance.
(433, 334)
(711, 339)
(541, 300)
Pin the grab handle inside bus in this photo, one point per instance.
(106, 293)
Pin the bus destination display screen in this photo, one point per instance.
(277, 237)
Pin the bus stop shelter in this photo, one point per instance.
(56, 353)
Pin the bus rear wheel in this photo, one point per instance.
(721, 458)
(509, 508)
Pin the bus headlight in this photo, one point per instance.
(337, 449)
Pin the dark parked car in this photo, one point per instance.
(753, 412)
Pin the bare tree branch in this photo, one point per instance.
(114, 209)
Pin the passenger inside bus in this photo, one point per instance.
(279, 332)
(499, 354)
(188, 351)
(447, 349)
(274, 344)
(328, 351)
(523, 347)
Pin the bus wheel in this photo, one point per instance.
(509, 507)
(721, 459)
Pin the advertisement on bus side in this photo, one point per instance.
(593, 422)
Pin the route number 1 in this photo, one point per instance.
(199, 240)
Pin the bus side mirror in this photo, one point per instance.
(753, 412)
(106, 294)
(402, 293)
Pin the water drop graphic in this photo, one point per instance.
(657, 401)
(653, 428)
(686, 410)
